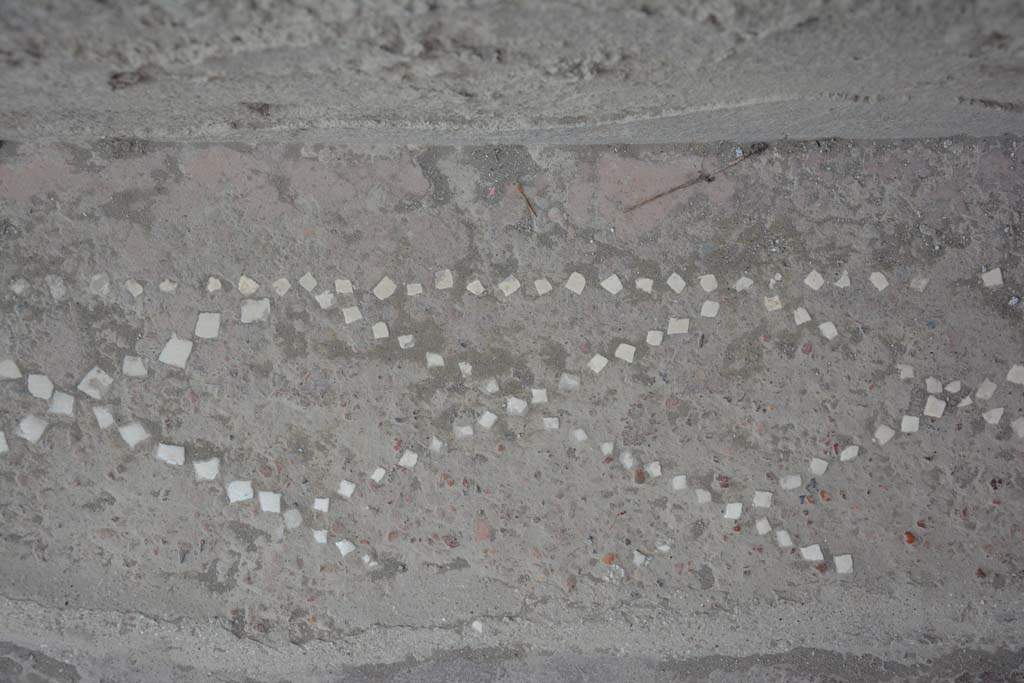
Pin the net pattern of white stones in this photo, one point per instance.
(255, 309)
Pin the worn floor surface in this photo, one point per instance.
(784, 442)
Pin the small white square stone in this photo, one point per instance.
(443, 279)
(986, 390)
(344, 547)
(4, 448)
(812, 553)
(99, 284)
(40, 386)
(576, 283)
(176, 352)
(487, 419)
(170, 454)
(993, 416)
(413, 289)
(814, 280)
(434, 360)
(346, 489)
(406, 341)
(708, 283)
(964, 402)
(320, 536)
(790, 482)
(844, 564)
(910, 424)
(207, 325)
(772, 303)
(607, 447)
(509, 285)
(733, 510)
(783, 538)
(408, 459)
(879, 280)
(597, 363)
(343, 286)
(385, 288)
(475, 287)
(324, 299)
(849, 453)
(281, 286)
(168, 286)
(579, 435)
(538, 395)
(31, 428)
(550, 423)
(709, 309)
(568, 382)
(678, 326)
(58, 290)
(653, 469)
(906, 371)
(542, 286)
(612, 284)
(104, 418)
(351, 314)
(62, 404)
(702, 495)
(918, 284)
(655, 337)
(463, 431)
(743, 283)
(9, 369)
(307, 282)
(763, 526)
(843, 281)
(884, 434)
(380, 330)
(270, 501)
(934, 407)
(801, 316)
(992, 278)
(516, 406)
(255, 310)
(436, 445)
(1018, 427)
(679, 482)
(762, 499)
(206, 470)
(239, 491)
(247, 286)
(828, 330)
(133, 288)
(818, 466)
(292, 518)
(213, 284)
(676, 283)
(627, 460)
(645, 284)
(489, 386)
(933, 386)
(953, 387)
(378, 475)
(1015, 375)
(625, 352)
(133, 434)
(19, 286)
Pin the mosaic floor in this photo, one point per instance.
(397, 401)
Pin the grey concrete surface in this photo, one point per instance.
(524, 72)
(521, 552)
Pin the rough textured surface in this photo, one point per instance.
(531, 71)
(117, 566)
